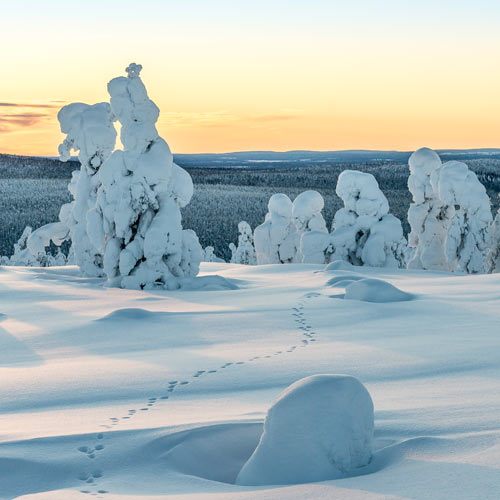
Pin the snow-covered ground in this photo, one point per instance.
(126, 394)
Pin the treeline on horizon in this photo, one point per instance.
(32, 190)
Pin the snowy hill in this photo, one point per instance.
(128, 394)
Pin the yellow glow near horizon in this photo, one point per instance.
(279, 77)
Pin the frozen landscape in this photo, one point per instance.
(321, 362)
(264, 266)
(157, 394)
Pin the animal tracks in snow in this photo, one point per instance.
(91, 476)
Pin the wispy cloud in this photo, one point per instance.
(223, 118)
(12, 121)
(28, 105)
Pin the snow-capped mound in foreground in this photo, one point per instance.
(339, 265)
(320, 428)
(374, 290)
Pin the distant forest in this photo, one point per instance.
(228, 187)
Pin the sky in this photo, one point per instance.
(232, 75)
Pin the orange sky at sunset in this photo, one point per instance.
(261, 75)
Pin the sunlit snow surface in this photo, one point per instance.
(126, 394)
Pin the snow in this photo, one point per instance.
(364, 232)
(321, 427)
(276, 239)
(168, 390)
(373, 290)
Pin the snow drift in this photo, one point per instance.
(321, 427)
(374, 290)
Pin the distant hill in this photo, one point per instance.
(13, 166)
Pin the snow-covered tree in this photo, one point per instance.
(364, 232)
(244, 253)
(136, 222)
(209, 255)
(31, 248)
(426, 214)
(276, 239)
(89, 130)
(311, 227)
(494, 243)
(467, 217)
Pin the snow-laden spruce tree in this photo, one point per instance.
(364, 232)
(209, 255)
(31, 248)
(244, 253)
(494, 243)
(276, 239)
(136, 222)
(467, 217)
(426, 214)
(311, 227)
(89, 131)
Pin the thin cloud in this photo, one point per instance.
(223, 118)
(11, 121)
(27, 105)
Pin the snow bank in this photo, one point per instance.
(364, 232)
(311, 227)
(339, 265)
(276, 240)
(375, 290)
(466, 215)
(136, 222)
(320, 428)
(244, 253)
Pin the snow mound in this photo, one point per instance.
(133, 314)
(339, 265)
(320, 428)
(344, 279)
(374, 290)
(211, 283)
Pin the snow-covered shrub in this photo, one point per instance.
(311, 227)
(364, 232)
(320, 428)
(466, 214)
(276, 239)
(209, 255)
(136, 223)
(494, 244)
(244, 253)
(426, 214)
(89, 130)
(31, 248)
